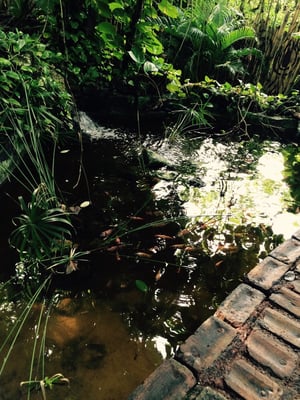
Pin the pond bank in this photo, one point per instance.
(132, 112)
(248, 348)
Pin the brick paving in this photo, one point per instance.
(249, 349)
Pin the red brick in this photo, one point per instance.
(240, 304)
(201, 349)
(267, 273)
(287, 252)
(270, 352)
(281, 325)
(170, 381)
(250, 383)
(288, 300)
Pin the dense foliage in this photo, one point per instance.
(208, 65)
(32, 92)
(198, 59)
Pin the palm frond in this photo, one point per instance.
(236, 35)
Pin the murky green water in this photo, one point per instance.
(172, 229)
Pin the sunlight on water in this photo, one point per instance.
(163, 346)
(237, 188)
(271, 166)
(108, 344)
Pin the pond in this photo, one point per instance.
(171, 228)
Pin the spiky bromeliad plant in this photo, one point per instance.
(39, 227)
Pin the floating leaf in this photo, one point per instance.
(85, 204)
(141, 285)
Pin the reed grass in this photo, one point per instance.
(14, 332)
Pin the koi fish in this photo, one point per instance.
(166, 237)
(106, 233)
(183, 232)
(142, 254)
(218, 263)
(178, 246)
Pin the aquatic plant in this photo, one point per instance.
(191, 119)
(39, 227)
(46, 383)
(14, 332)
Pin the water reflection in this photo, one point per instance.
(187, 221)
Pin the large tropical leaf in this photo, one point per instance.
(234, 36)
(168, 9)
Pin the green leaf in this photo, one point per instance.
(4, 62)
(173, 87)
(19, 45)
(141, 285)
(106, 28)
(168, 9)
(13, 75)
(150, 67)
(103, 9)
(153, 45)
(14, 102)
(115, 6)
(234, 36)
(137, 55)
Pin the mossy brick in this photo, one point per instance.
(288, 300)
(202, 348)
(267, 273)
(281, 325)
(288, 252)
(170, 381)
(270, 352)
(250, 383)
(210, 394)
(240, 304)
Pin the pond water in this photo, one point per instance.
(171, 229)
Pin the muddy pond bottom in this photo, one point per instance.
(88, 343)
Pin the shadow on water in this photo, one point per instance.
(171, 230)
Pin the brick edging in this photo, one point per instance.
(248, 348)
